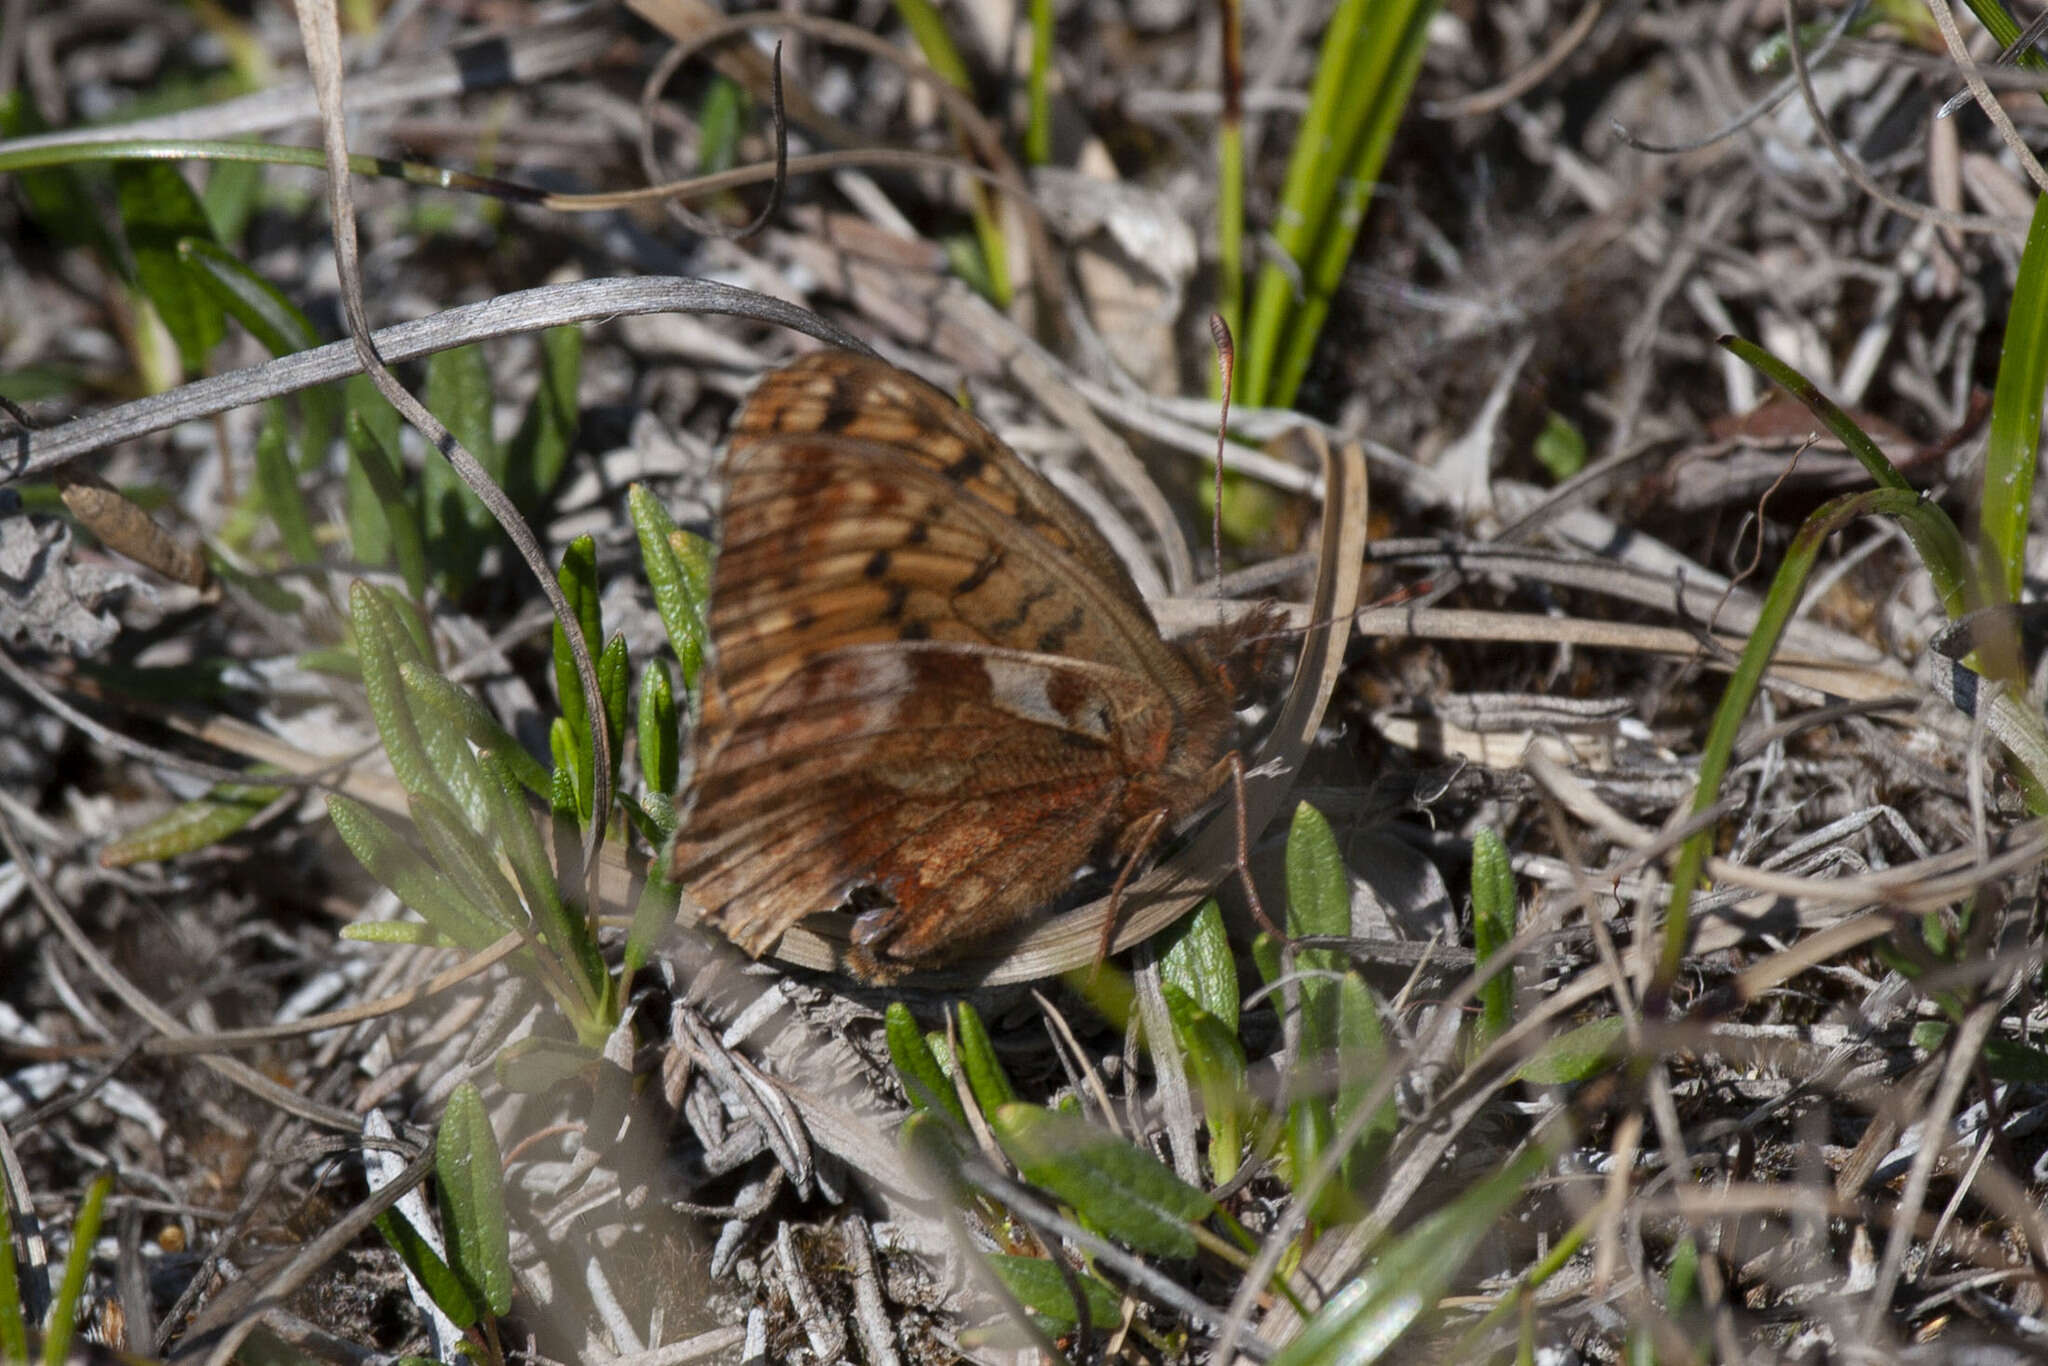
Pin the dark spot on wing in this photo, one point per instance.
(842, 407)
(1053, 640)
(915, 630)
(877, 565)
(802, 619)
(899, 594)
(919, 533)
(968, 466)
(989, 564)
(1015, 621)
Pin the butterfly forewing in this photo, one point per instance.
(928, 677)
(839, 394)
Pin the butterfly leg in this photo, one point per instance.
(1233, 762)
(1139, 836)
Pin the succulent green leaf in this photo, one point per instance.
(381, 642)
(1361, 1322)
(380, 848)
(678, 572)
(986, 1079)
(1576, 1055)
(157, 209)
(660, 730)
(1493, 926)
(917, 1068)
(1198, 960)
(278, 482)
(1125, 1193)
(197, 824)
(442, 1285)
(470, 1184)
(1040, 1288)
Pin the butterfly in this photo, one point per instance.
(933, 691)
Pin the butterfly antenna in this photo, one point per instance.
(1226, 365)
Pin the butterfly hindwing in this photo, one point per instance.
(967, 783)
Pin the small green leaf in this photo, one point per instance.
(470, 1184)
(1197, 959)
(383, 518)
(157, 209)
(510, 823)
(613, 671)
(538, 450)
(1576, 1055)
(431, 690)
(381, 642)
(1125, 1193)
(279, 483)
(986, 1079)
(578, 579)
(1039, 1287)
(1560, 448)
(1493, 926)
(198, 824)
(396, 932)
(1217, 1060)
(660, 730)
(1361, 1057)
(380, 848)
(442, 1285)
(569, 784)
(721, 118)
(924, 1081)
(1364, 1319)
(458, 391)
(1318, 903)
(678, 573)
(1318, 886)
(465, 860)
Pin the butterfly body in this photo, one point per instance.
(931, 682)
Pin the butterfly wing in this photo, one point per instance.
(928, 676)
(965, 782)
(828, 542)
(842, 394)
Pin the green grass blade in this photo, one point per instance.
(1038, 81)
(1364, 1320)
(1364, 71)
(1934, 536)
(1747, 680)
(277, 480)
(157, 210)
(1493, 925)
(85, 1231)
(2013, 446)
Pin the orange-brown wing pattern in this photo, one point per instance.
(928, 676)
(967, 783)
(839, 393)
(827, 543)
